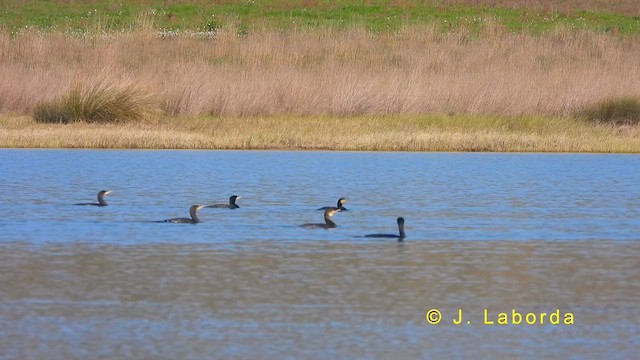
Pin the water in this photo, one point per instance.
(531, 232)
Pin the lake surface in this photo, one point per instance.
(537, 233)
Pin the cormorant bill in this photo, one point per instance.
(339, 205)
(101, 201)
(194, 216)
(328, 223)
(400, 230)
(231, 205)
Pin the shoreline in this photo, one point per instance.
(446, 133)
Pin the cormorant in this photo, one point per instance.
(400, 230)
(339, 205)
(194, 217)
(328, 223)
(101, 201)
(231, 205)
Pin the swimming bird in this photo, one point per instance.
(231, 205)
(101, 201)
(400, 230)
(328, 223)
(194, 217)
(339, 205)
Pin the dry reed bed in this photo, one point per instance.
(419, 70)
(394, 133)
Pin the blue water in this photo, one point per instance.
(443, 196)
(535, 232)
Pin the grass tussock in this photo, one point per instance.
(615, 111)
(102, 102)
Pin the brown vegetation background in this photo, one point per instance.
(418, 70)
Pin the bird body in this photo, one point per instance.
(231, 205)
(328, 223)
(101, 202)
(339, 205)
(192, 212)
(401, 232)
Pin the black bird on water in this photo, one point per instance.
(231, 205)
(400, 237)
(100, 202)
(328, 223)
(194, 216)
(339, 205)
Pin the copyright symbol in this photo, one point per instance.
(433, 316)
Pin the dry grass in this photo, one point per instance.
(388, 133)
(419, 70)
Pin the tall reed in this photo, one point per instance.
(418, 70)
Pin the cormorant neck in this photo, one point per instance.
(402, 234)
(232, 202)
(101, 201)
(193, 214)
(329, 222)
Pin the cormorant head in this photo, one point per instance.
(400, 221)
(233, 199)
(104, 192)
(195, 208)
(342, 201)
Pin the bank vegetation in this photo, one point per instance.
(419, 88)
